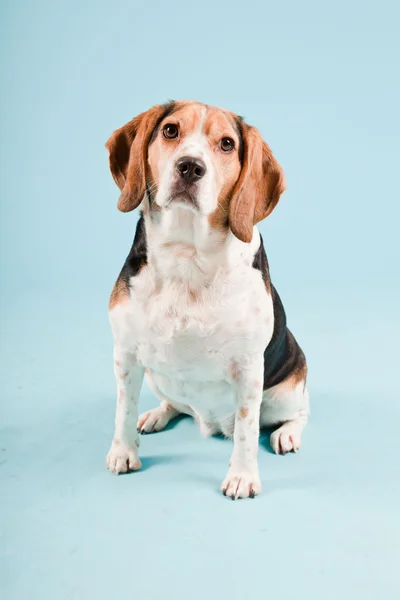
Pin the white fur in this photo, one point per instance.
(199, 319)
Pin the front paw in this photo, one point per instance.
(241, 485)
(123, 458)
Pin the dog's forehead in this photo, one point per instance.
(195, 114)
(190, 113)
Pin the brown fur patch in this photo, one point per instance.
(260, 262)
(259, 187)
(127, 149)
(235, 370)
(299, 375)
(244, 411)
(193, 295)
(119, 293)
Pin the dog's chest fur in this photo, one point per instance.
(191, 339)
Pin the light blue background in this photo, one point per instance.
(320, 80)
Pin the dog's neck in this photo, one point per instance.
(184, 248)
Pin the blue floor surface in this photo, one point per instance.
(325, 526)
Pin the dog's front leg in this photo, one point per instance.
(123, 455)
(243, 479)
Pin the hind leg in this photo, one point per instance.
(158, 418)
(286, 404)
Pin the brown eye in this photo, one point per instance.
(227, 144)
(170, 131)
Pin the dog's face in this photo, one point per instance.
(194, 158)
(203, 158)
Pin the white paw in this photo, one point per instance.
(123, 458)
(241, 485)
(286, 439)
(155, 419)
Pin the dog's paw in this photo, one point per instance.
(156, 419)
(123, 458)
(286, 439)
(241, 485)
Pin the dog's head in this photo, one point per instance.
(200, 157)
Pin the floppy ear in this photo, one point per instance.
(259, 187)
(127, 149)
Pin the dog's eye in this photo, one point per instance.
(227, 144)
(170, 131)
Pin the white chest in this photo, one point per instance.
(185, 334)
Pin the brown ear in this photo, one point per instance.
(259, 187)
(127, 149)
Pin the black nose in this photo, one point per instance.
(190, 169)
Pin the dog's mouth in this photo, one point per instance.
(184, 198)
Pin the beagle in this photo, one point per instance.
(194, 307)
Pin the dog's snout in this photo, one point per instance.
(190, 169)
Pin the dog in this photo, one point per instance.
(193, 307)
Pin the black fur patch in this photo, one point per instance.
(260, 262)
(137, 257)
(283, 356)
